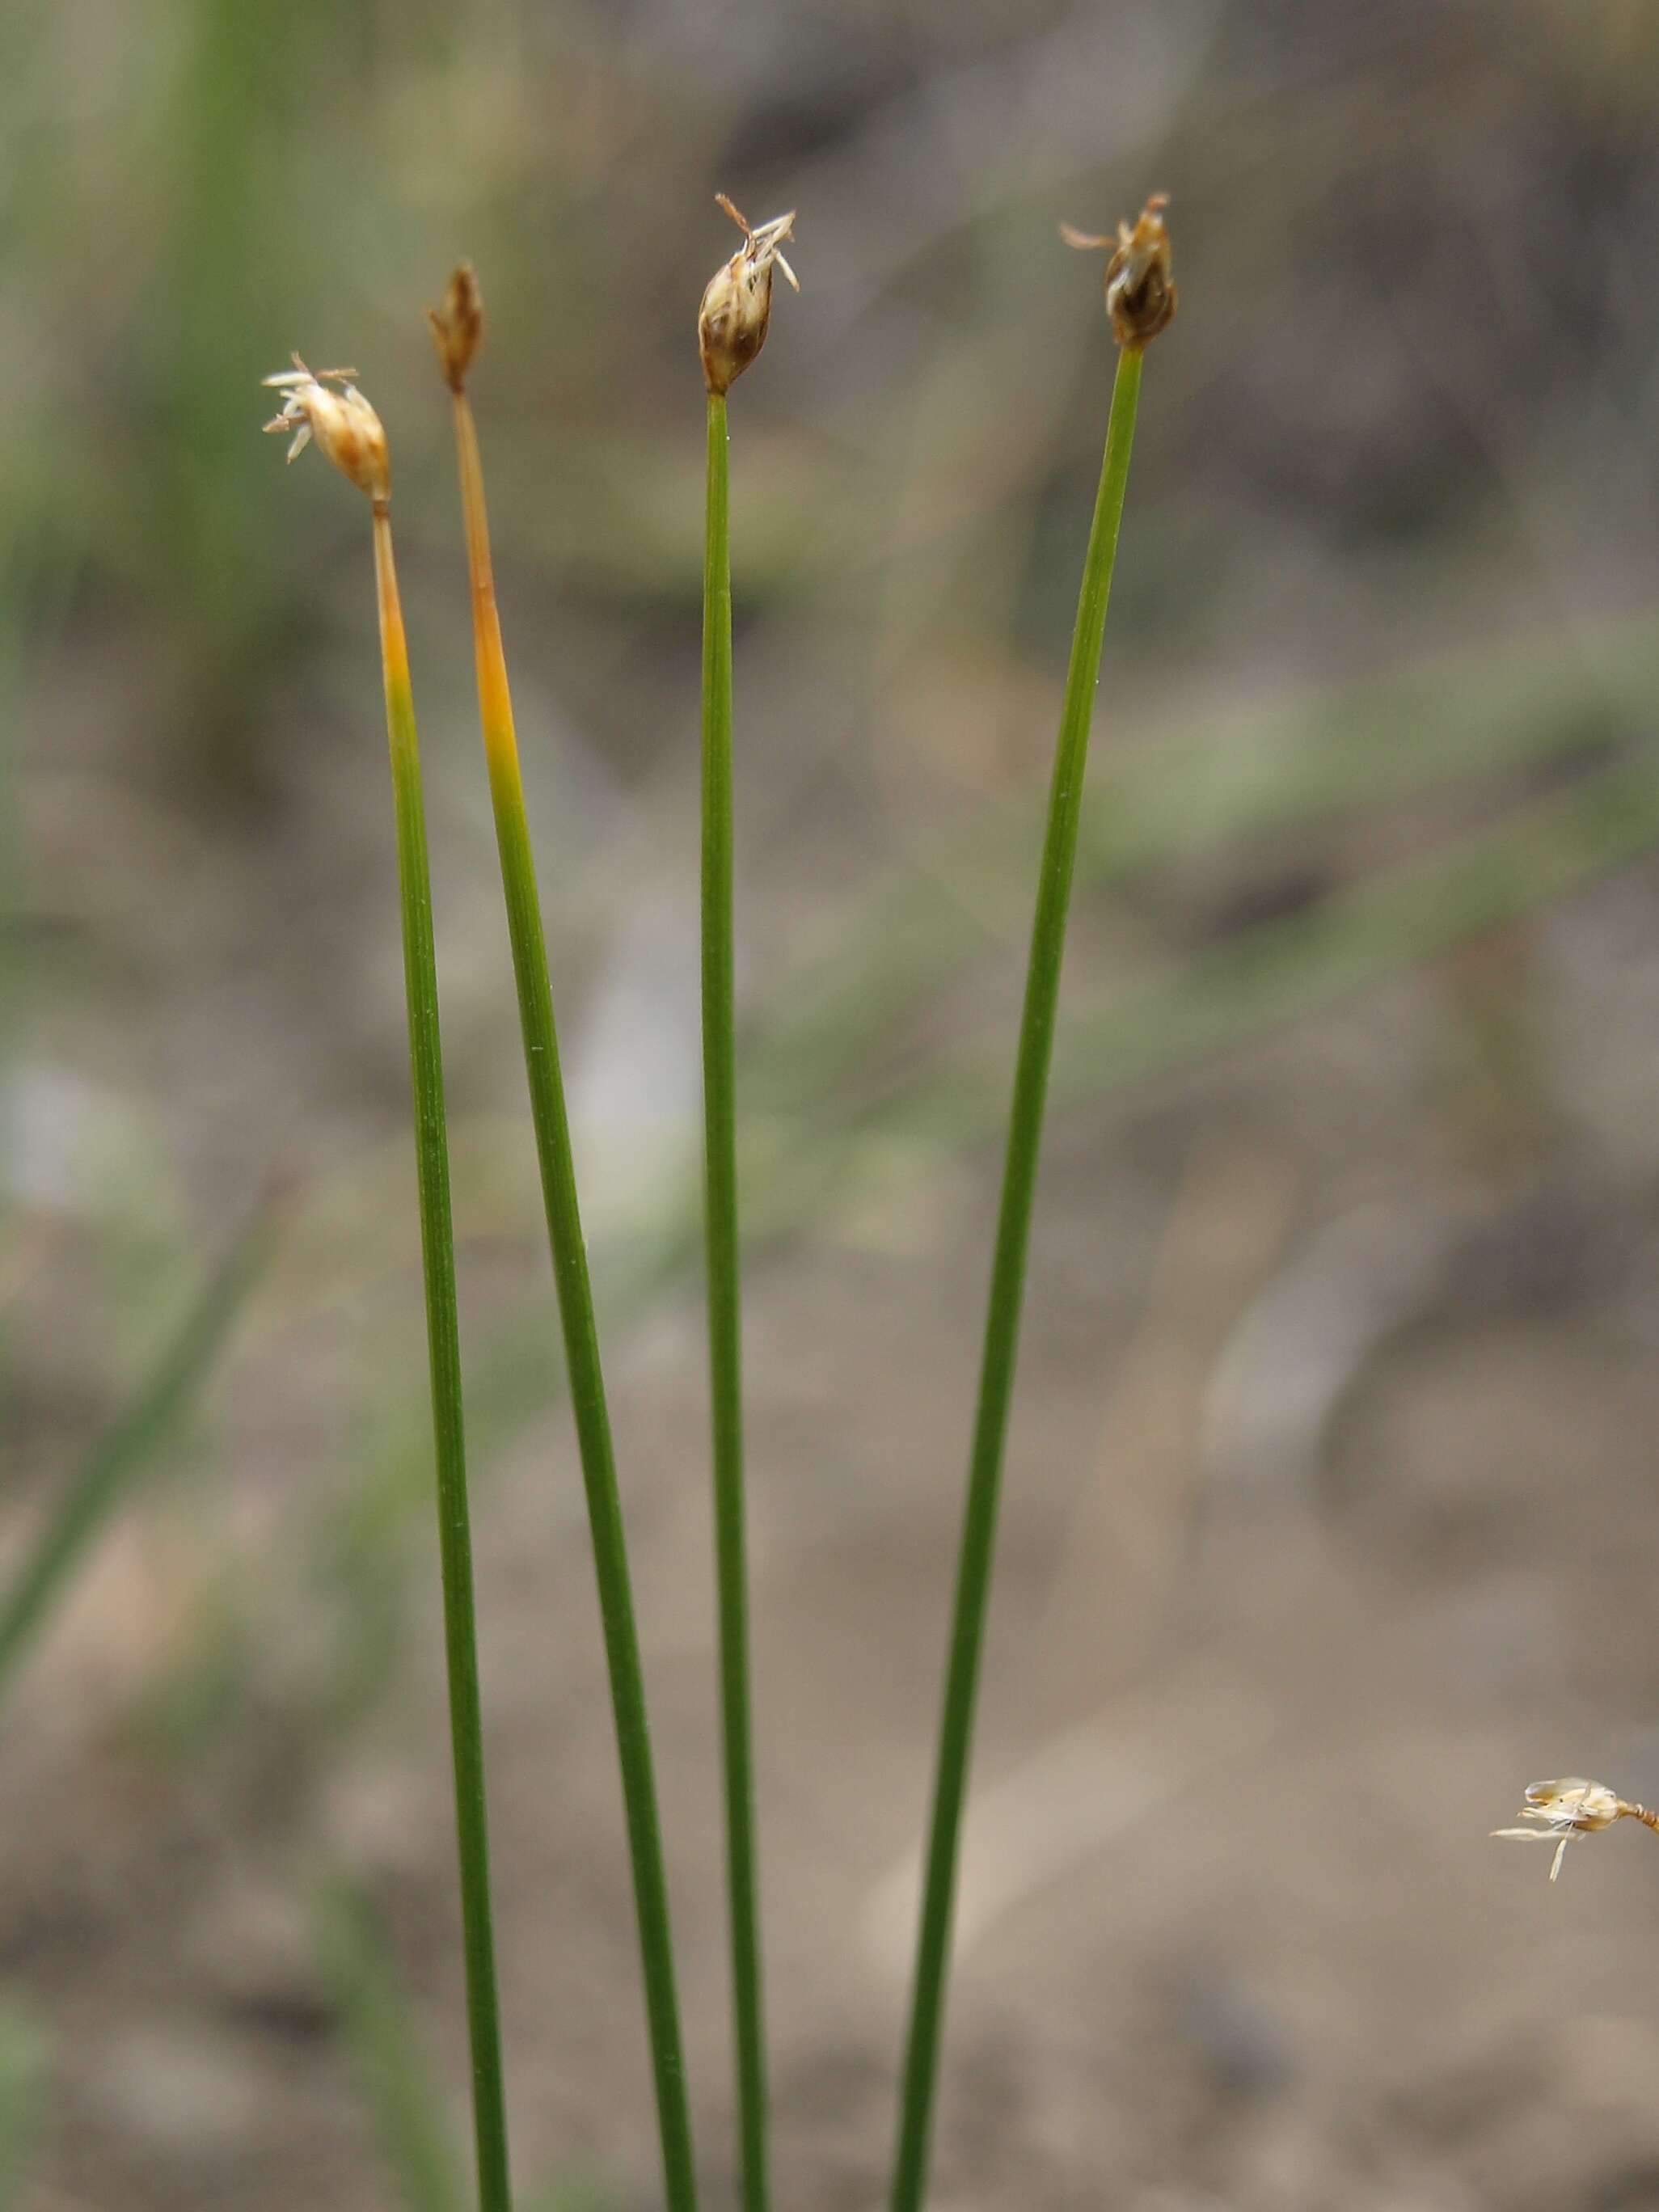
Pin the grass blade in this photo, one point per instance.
(22, 2071)
(402, 2091)
(122, 1454)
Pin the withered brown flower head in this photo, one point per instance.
(458, 325)
(1570, 1808)
(1141, 292)
(737, 307)
(342, 422)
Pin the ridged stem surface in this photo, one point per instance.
(1001, 1341)
(725, 1323)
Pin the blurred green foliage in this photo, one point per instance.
(419, 2147)
(105, 1479)
(22, 2072)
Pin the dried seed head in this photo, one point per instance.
(737, 306)
(342, 422)
(1569, 1809)
(1140, 293)
(458, 325)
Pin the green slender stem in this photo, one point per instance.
(581, 1343)
(1007, 1292)
(443, 1346)
(724, 1320)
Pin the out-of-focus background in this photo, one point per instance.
(1331, 1515)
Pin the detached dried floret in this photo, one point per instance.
(1569, 1809)
(342, 422)
(737, 307)
(1141, 292)
(458, 325)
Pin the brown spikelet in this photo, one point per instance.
(1140, 291)
(329, 408)
(737, 305)
(458, 325)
